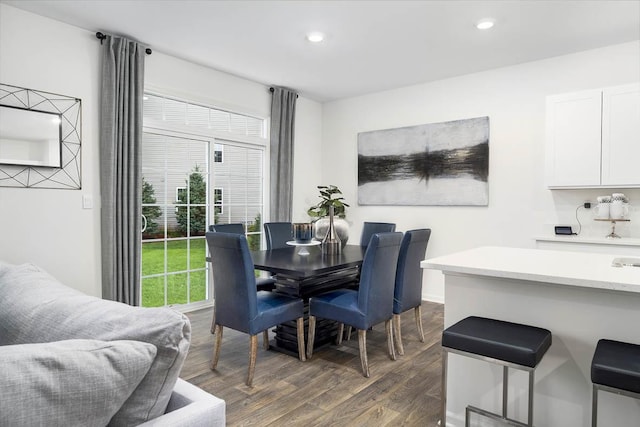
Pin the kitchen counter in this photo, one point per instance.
(589, 270)
(578, 296)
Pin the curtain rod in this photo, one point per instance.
(102, 36)
(271, 89)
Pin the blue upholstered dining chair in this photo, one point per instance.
(262, 283)
(237, 304)
(408, 291)
(278, 234)
(371, 304)
(235, 228)
(370, 228)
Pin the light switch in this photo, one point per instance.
(87, 201)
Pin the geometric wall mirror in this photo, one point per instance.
(40, 139)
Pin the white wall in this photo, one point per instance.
(49, 227)
(520, 206)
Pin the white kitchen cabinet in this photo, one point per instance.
(621, 136)
(593, 138)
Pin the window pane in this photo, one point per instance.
(254, 163)
(177, 288)
(152, 290)
(254, 228)
(254, 191)
(152, 258)
(197, 116)
(254, 126)
(198, 285)
(219, 120)
(238, 124)
(175, 112)
(197, 253)
(199, 221)
(176, 255)
(152, 108)
(153, 147)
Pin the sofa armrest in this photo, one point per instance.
(190, 406)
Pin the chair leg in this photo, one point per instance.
(265, 339)
(216, 346)
(418, 313)
(253, 352)
(213, 322)
(397, 334)
(390, 346)
(594, 406)
(312, 336)
(362, 345)
(340, 332)
(300, 331)
(349, 333)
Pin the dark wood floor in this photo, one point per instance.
(329, 389)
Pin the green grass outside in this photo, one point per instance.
(153, 263)
(153, 255)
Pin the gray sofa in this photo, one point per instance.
(69, 359)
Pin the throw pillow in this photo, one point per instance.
(69, 383)
(35, 307)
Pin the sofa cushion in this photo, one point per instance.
(69, 383)
(34, 307)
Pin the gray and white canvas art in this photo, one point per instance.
(432, 164)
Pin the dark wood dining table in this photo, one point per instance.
(305, 276)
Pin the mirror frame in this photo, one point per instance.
(68, 176)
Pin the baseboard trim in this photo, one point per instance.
(433, 298)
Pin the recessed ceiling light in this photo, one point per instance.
(485, 24)
(315, 37)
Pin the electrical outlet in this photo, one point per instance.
(587, 205)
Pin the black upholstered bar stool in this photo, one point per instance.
(511, 345)
(615, 368)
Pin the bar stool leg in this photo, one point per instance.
(594, 407)
(531, 381)
(505, 390)
(443, 389)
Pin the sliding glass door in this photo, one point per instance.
(175, 209)
(201, 165)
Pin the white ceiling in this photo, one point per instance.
(370, 45)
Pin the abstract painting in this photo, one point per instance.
(442, 164)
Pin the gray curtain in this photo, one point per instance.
(283, 112)
(120, 168)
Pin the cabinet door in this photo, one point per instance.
(621, 136)
(573, 139)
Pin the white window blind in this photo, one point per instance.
(161, 108)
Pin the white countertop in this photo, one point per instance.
(580, 269)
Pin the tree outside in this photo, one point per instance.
(192, 217)
(254, 239)
(151, 213)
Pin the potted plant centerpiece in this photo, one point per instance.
(330, 196)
